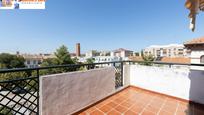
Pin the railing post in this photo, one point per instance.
(169, 65)
(114, 64)
(121, 73)
(38, 94)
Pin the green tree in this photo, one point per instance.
(8, 61)
(62, 57)
(76, 60)
(5, 111)
(90, 60)
(148, 60)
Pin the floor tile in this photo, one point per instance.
(105, 108)
(132, 101)
(96, 112)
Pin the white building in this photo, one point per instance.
(171, 50)
(34, 60)
(197, 50)
(92, 53)
(107, 56)
(100, 59)
(122, 53)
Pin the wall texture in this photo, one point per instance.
(63, 94)
(183, 82)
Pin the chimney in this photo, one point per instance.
(78, 52)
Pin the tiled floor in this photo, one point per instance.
(133, 101)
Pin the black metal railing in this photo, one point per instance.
(19, 94)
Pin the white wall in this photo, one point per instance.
(183, 83)
(63, 94)
(195, 56)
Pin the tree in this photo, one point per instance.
(90, 60)
(62, 57)
(5, 110)
(8, 61)
(148, 59)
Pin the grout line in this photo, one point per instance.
(148, 104)
(162, 106)
(178, 103)
(117, 104)
(122, 106)
(100, 111)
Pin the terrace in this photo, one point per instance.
(113, 88)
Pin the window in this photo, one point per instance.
(202, 59)
(34, 61)
(39, 62)
(28, 62)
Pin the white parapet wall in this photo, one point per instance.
(178, 82)
(66, 93)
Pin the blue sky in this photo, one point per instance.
(97, 24)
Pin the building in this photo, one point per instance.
(183, 60)
(100, 59)
(197, 50)
(171, 50)
(135, 58)
(78, 50)
(34, 60)
(105, 53)
(123, 53)
(92, 53)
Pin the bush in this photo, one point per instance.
(5, 111)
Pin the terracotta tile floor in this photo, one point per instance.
(133, 101)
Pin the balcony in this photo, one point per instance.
(135, 101)
(113, 88)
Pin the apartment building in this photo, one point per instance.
(92, 53)
(34, 60)
(123, 53)
(171, 50)
(100, 59)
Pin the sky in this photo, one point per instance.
(97, 25)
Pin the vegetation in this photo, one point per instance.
(90, 60)
(9, 61)
(5, 111)
(148, 59)
(62, 58)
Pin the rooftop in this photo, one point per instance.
(195, 41)
(121, 49)
(176, 60)
(133, 101)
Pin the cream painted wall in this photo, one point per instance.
(183, 82)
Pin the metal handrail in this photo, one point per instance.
(79, 65)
